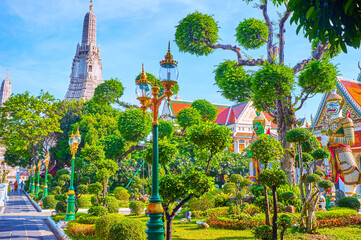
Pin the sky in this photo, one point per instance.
(38, 40)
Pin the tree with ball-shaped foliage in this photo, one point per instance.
(266, 149)
(207, 110)
(311, 183)
(188, 117)
(273, 178)
(272, 86)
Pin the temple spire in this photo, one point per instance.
(91, 5)
(359, 75)
(89, 27)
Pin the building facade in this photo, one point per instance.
(86, 70)
(238, 118)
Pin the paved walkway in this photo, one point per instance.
(22, 222)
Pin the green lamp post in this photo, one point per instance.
(33, 185)
(46, 161)
(30, 174)
(168, 75)
(38, 183)
(74, 142)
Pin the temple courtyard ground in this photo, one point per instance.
(21, 221)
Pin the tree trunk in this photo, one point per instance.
(170, 217)
(300, 158)
(286, 121)
(275, 212)
(169, 227)
(105, 190)
(268, 218)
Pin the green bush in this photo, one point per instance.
(257, 190)
(202, 203)
(214, 212)
(103, 224)
(58, 217)
(263, 232)
(98, 211)
(136, 207)
(112, 204)
(251, 209)
(349, 202)
(87, 219)
(127, 230)
(121, 194)
(336, 212)
(60, 207)
(75, 229)
(49, 202)
(94, 201)
(84, 201)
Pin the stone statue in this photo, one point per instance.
(338, 135)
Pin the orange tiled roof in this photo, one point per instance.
(177, 105)
(354, 89)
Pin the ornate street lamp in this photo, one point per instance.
(33, 185)
(168, 75)
(30, 173)
(46, 162)
(38, 184)
(74, 142)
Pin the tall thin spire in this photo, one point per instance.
(89, 27)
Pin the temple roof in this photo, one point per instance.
(177, 105)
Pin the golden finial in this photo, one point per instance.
(77, 134)
(91, 5)
(143, 76)
(168, 58)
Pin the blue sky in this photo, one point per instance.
(38, 41)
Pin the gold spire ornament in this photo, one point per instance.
(168, 58)
(91, 5)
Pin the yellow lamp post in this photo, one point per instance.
(46, 162)
(74, 142)
(168, 75)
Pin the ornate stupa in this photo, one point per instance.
(5, 90)
(86, 71)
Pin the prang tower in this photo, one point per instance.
(86, 71)
(5, 90)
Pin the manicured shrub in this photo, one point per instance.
(60, 207)
(214, 212)
(49, 202)
(98, 211)
(136, 207)
(336, 212)
(94, 201)
(203, 203)
(84, 201)
(263, 232)
(251, 209)
(127, 230)
(75, 229)
(112, 204)
(58, 217)
(349, 202)
(121, 194)
(87, 219)
(103, 224)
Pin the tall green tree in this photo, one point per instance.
(210, 137)
(28, 125)
(272, 86)
(334, 22)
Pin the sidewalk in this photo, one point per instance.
(22, 222)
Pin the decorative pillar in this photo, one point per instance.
(38, 184)
(45, 189)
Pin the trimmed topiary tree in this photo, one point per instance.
(49, 202)
(136, 207)
(98, 211)
(128, 229)
(349, 202)
(273, 178)
(121, 194)
(104, 223)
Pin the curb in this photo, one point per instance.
(36, 206)
(59, 233)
